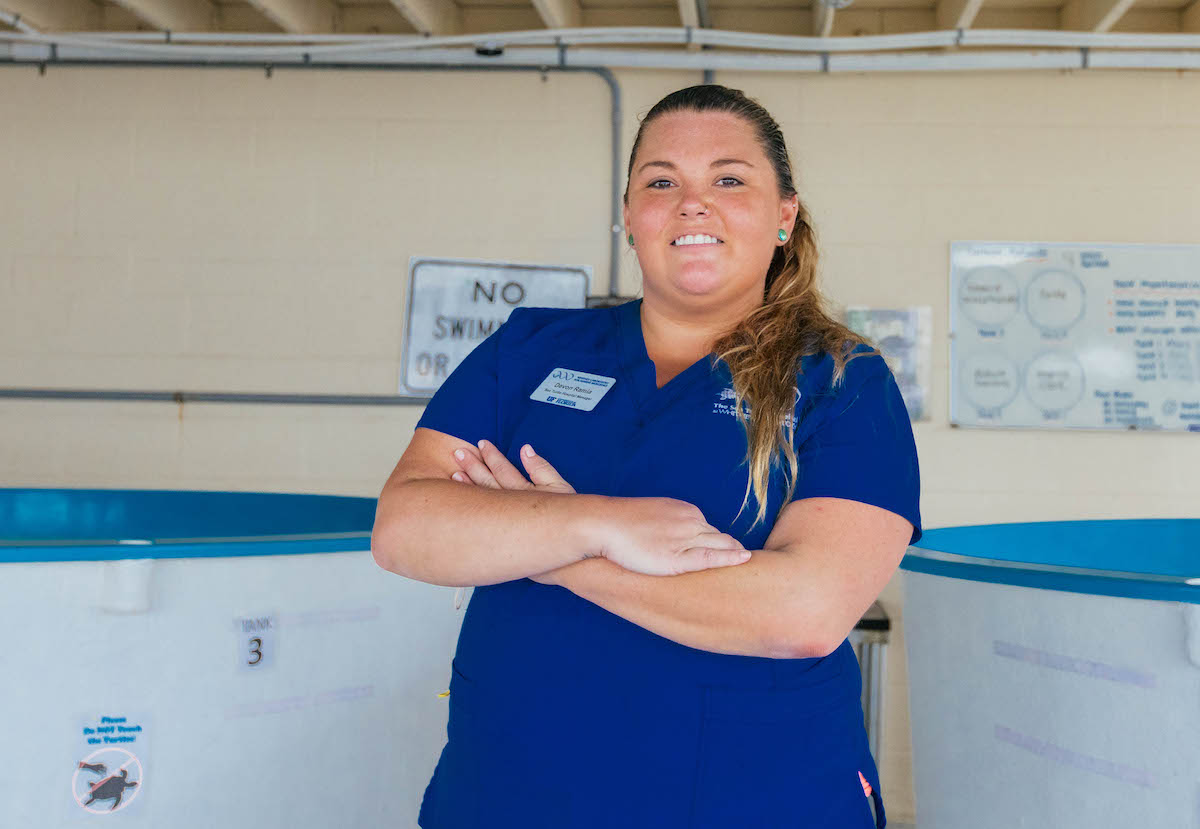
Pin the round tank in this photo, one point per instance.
(1054, 674)
(201, 659)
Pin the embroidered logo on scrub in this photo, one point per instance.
(866, 786)
(573, 389)
(725, 401)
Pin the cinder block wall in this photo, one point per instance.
(217, 229)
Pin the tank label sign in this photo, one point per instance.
(257, 641)
(109, 764)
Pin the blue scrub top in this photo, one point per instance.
(563, 714)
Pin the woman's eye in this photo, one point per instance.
(664, 181)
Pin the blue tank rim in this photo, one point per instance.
(328, 523)
(1137, 558)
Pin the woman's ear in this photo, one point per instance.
(789, 209)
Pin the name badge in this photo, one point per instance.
(573, 389)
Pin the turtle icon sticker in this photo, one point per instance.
(107, 780)
(108, 770)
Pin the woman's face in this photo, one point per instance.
(705, 173)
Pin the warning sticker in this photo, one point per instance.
(109, 774)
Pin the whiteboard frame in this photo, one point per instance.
(951, 367)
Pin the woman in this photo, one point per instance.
(724, 480)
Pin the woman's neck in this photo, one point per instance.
(680, 338)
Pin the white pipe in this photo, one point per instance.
(1144, 60)
(956, 61)
(724, 61)
(652, 34)
(1091, 40)
(228, 37)
(797, 43)
(1004, 60)
(298, 45)
(646, 35)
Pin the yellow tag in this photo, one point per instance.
(443, 694)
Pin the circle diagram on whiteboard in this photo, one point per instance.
(107, 780)
(990, 380)
(989, 296)
(1054, 381)
(1054, 299)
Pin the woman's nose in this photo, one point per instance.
(692, 202)
(691, 205)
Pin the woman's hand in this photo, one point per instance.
(491, 468)
(653, 536)
(666, 537)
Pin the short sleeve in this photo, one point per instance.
(863, 448)
(467, 404)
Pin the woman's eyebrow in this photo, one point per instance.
(719, 162)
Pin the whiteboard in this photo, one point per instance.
(454, 304)
(1076, 336)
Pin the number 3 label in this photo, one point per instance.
(255, 651)
(257, 638)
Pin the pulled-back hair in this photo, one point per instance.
(764, 351)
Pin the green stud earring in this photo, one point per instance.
(782, 235)
(630, 240)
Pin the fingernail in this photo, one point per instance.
(745, 554)
(481, 443)
(527, 451)
(460, 454)
(457, 476)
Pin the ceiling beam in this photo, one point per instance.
(559, 14)
(62, 16)
(957, 14)
(1092, 15)
(300, 16)
(176, 15)
(822, 17)
(431, 17)
(1190, 18)
(689, 15)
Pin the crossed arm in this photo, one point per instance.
(823, 564)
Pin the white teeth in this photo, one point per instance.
(696, 240)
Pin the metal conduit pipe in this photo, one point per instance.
(563, 57)
(181, 397)
(224, 44)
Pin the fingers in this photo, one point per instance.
(539, 469)
(474, 468)
(713, 549)
(706, 558)
(489, 467)
(717, 540)
(507, 475)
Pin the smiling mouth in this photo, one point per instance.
(674, 244)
